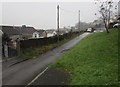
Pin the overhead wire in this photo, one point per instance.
(67, 11)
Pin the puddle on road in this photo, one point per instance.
(64, 50)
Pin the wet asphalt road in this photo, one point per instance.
(22, 73)
(52, 76)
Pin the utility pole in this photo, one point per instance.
(58, 21)
(79, 20)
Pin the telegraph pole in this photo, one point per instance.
(79, 20)
(58, 21)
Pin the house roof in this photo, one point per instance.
(9, 30)
(40, 31)
(50, 31)
(15, 30)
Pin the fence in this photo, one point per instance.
(12, 52)
(8, 51)
(44, 41)
(24, 44)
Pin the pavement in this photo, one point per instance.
(24, 72)
(50, 77)
(12, 61)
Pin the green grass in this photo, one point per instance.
(35, 52)
(93, 61)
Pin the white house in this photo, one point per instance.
(21, 32)
(62, 31)
(51, 33)
(39, 34)
(35, 35)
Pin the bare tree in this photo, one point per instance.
(106, 10)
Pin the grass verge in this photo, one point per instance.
(35, 52)
(93, 61)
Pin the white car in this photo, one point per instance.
(116, 25)
(89, 29)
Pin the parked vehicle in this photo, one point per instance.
(90, 30)
(117, 25)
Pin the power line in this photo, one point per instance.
(68, 11)
(71, 14)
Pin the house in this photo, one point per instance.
(26, 32)
(62, 31)
(39, 34)
(35, 34)
(115, 23)
(15, 32)
(118, 19)
(51, 33)
(10, 31)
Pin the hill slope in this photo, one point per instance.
(93, 61)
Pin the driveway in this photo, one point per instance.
(22, 73)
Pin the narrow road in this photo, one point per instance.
(22, 73)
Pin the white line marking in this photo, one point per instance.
(36, 77)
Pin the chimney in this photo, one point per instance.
(23, 26)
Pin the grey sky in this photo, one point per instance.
(43, 14)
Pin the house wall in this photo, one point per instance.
(14, 37)
(39, 35)
(50, 35)
(35, 35)
(44, 34)
(54, 33)
(26, 36)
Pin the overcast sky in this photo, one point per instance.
(43, 15)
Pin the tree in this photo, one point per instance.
(105, 9)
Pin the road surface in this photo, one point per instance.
(22, 73)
